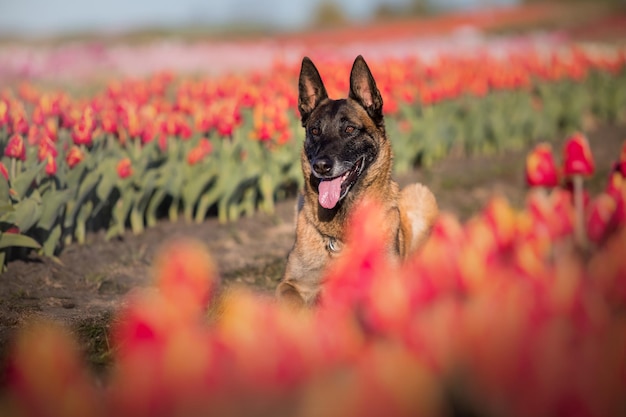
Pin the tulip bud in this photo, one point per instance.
(577, 157)
(540, 167)
(74, 156)
(51, 165)
(15, 148)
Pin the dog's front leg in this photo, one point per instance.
(300, 285)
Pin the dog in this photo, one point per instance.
(346, 158)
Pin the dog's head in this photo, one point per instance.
(343, 137)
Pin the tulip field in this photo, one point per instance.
(137, 150)
(517, 309)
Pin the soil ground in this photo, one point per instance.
(89, 283)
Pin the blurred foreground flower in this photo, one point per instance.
(46, 376)
(502, 315)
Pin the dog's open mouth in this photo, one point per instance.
(334, 189)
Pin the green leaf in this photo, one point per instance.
(50, 245)
(192, 191)
(4, 190)
(80, 229)
(121, 211)
(53, 202)
(175, 181)
(24, 180)
(109, 179)
(153, 205)
(8, 240)
(136, 221)
(27, 213)
(87, 186)
(6, 209)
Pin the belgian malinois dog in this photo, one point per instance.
(346, 157)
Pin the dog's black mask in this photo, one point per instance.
(340, 139)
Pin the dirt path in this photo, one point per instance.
(90, 282)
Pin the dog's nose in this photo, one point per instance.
(322, 165)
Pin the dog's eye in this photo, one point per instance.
(350, 129)
(315, 131)
(334, 245)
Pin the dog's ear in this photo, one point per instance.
(363, 90)
(310, 88)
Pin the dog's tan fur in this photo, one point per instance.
(320, 232)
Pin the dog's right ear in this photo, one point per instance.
(310, 88)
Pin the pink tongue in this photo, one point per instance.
(329, 190)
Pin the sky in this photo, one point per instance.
(50, 17)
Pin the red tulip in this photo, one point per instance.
(51, 165)
(82, 133)
(51, 128)
(124, 168)
(540, 167)
(19, 124)
(46, 147)
(577, 157)
(578, 163)
(16, 148)
(199, 152)
(599, 217)
(501, 218)
(108, 121)
(74, 156)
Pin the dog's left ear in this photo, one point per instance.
(311, 90)
(363, 89)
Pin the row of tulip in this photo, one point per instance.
(500, 316)
(142, 148)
